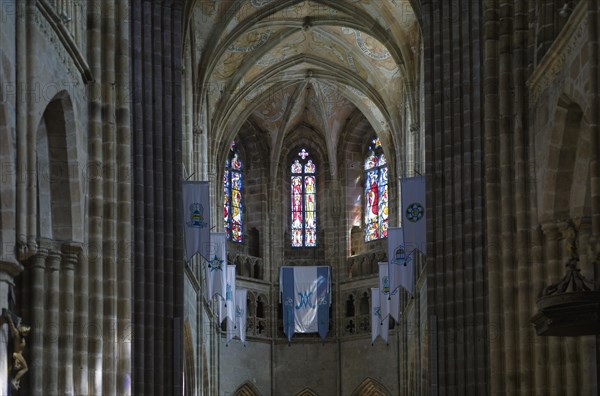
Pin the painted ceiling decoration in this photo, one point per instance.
(282, 63)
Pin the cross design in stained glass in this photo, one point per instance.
(303, 154)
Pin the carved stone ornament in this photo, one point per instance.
(570, 307)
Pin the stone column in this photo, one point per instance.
(124, 229)
(552, 234)
(416, 166)
(31, 128)
(37, 267)
(21, 46)
(158, 286)
(108, 265)
(81, 326)
(8, 271)
(457, 275)
(586, 345)
(52, 323)
(67, 311)
(94, 325)
(538, 282)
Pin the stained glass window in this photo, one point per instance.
(304, 201)
(232, 196)
(376, 193)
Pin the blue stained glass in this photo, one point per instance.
(232, 196)
(376, 193)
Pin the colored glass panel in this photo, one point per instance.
(304, 200)
(372, 232)
(297, 238)
(311, 238)
(236, 181)
(372, 197)
(236, 233)
(296, 167)
(376, 193)
(310, 220)
(297, 203)
(226, 206)
(309, 167)
(236, 164)
(232, 196)
(310, 184)
(371, 161)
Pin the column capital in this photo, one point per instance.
(551, 231)
(197, 130)
(71, 252)
(39, 259)
(53, 260)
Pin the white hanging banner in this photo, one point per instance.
(379, 325)
(392, 307)
(401, 262)
(196, 219)
(215, 268)
(241, 301)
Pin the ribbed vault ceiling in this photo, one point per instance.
(281, 63)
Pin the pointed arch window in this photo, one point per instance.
(376, 193)
(304, 201)
(232, 196)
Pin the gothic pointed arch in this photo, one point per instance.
(247, 389)
(565, 188)
(370, 387)
(58, 179)
(248, 152)
(307, 392)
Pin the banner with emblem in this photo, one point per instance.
(235, 327)
(306, 297)
(228, 302)
(241, 301)
(401, 263)
(392, 307)
(379, 324)
(215, 267)
(414, 216)
(196, 217)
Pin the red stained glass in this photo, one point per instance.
(296, 167)
(376, 193)
(303, 201)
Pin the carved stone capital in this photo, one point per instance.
(71, 252)
(197, 131)
(551, 231)
(53, 260)
(39, 260)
